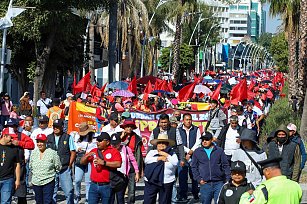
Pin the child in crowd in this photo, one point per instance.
(14, 112)
(231, 191)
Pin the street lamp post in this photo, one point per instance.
(205, 46)
(244, 59)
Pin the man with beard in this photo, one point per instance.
(281, 146)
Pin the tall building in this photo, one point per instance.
(245, 18)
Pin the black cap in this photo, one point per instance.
(270, 162)
(252, 102)
(103, 136)
(58, 123)
(206, 136)
(238, 166)
(115, 138)
(11, 122)
(43, 118)
(113, 116)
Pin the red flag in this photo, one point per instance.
(132, 86)
(217, 91)
(251, 85)
(186, 92)
(269, 94)
(82, 84)
(239, 91)
(148, 90)
(103, 87)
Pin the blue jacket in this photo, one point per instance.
(298, 140)
(215, 168)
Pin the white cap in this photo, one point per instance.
(69, 95)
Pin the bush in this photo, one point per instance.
(280, 113)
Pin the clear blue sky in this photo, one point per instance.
(271, 23)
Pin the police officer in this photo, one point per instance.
(276, 189)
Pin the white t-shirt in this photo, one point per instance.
(108, 129)
(231, 141)
(84, 145)
(43, 108)
(252, 173)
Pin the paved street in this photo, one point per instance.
(139, 195)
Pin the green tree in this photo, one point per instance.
(279, 50)
(186, 58)
(289, 10)
(265, 40)
(51, 35)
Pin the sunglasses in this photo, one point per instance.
(101, 140)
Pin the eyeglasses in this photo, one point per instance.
(101, 140)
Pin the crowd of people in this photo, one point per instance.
(224, 160)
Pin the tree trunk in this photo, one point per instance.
(42, 60)
(302, 55)
(91, 62)
(292, 63)
(176, 49)
(303, 128)
(112, 40)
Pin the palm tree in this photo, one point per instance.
(303, 68)
(302, 56)
(132, 22)
(176, 11)
(290, 13)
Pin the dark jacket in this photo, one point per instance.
(62, 148)
(298, 140)
(215, 168)
(291, 156)
(222, 136)
(230, 194)
(192, 136)
(154, 173)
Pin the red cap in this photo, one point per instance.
(41, 137)
(9, 131)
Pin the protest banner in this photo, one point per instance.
(145, 121)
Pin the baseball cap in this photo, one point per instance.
(206, 136)
(173, 119)
(41, 137)
(126, 115)
(238, 166)
(115, 138)
(252, 102)
(292, 127)
(69, 95)
(11, 122)
(43, 118)
(103, 136)
(58, 123)
(9, 131)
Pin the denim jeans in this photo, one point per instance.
(97, 193)
(209, 191)
(81, 171)
(64, 178)
(183, 173)
(6, 188)
(131, 188)
(43, 194)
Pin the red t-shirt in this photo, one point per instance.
(102, 173)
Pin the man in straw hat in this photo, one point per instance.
(160, 167)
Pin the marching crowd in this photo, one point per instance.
(224, 160)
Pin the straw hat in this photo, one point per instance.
(84, 129)
(162, 138)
